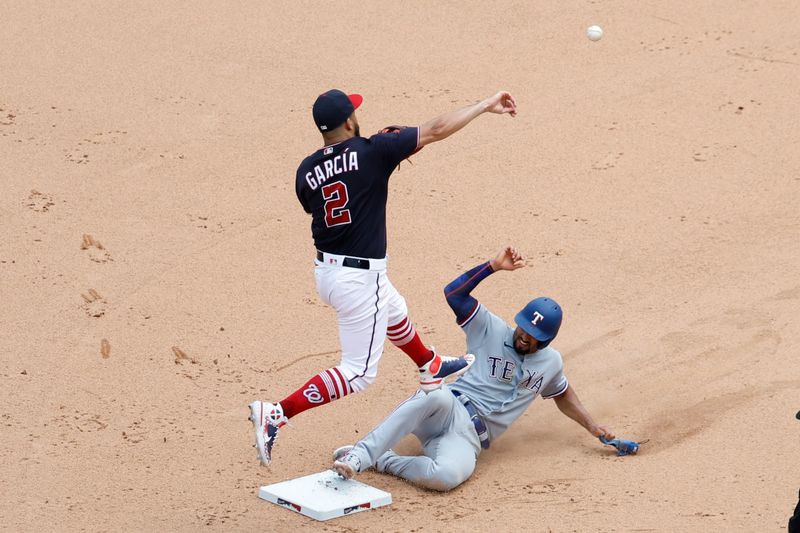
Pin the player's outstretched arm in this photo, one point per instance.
(569, 404)
(445, 125)
(457, 292)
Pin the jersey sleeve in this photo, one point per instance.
(556, 386)
(299, 187)
(457, 292)
(477, 323)
(394, 147)
(483, 326)
(302, 200)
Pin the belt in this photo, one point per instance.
(352, 262)
(477, 421)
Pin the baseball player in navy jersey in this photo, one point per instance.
(512, 367)
(344, 186)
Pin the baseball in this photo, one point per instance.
(594, 33)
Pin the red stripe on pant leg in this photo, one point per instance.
(344, 382)
(412, 345)
(334, 383)
(399, 325)
(398, 333)
(404, 336)
(326, 377)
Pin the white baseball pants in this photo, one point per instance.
(366, 302)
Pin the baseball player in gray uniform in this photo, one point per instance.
(512, 367)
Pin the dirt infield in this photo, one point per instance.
(156, 267)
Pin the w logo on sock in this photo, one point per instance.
(312, 394)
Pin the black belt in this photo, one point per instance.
(351, 262)
(477, 421)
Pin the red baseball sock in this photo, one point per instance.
(404, 336)
(325, 387)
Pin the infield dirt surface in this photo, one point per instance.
(156, 269)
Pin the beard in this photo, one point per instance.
(528, 348)
(358, 131)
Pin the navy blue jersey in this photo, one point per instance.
(344, 186)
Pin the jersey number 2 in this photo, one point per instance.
(336, 198)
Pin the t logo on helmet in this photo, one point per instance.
(536, 317)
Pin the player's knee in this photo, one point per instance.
(398, 311)
(356, 377)
(401, 308)
(440, 398)
(360, 383)
(447, 478)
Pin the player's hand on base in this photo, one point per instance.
(509, 258)
(501, 103)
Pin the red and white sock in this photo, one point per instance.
(404, 336)
(325, 387)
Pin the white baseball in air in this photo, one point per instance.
(594, 33)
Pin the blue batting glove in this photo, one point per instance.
(624, 447)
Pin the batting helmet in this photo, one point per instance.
(540, 319)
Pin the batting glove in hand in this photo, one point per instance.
(624, 447)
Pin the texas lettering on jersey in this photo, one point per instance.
(503, 370)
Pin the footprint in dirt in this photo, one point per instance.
(8, 117)
(97, 252)
(94, 304)
(39, 202)
(76, 420)
(180, 356)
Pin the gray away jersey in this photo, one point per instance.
(501, 383)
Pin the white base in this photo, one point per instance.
(324, 495)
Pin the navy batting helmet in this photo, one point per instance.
(540, 319)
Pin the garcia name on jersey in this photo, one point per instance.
(345, 186)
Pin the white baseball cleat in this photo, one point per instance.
(267, 418)
(433, 374)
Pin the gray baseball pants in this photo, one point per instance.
(442, 425)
